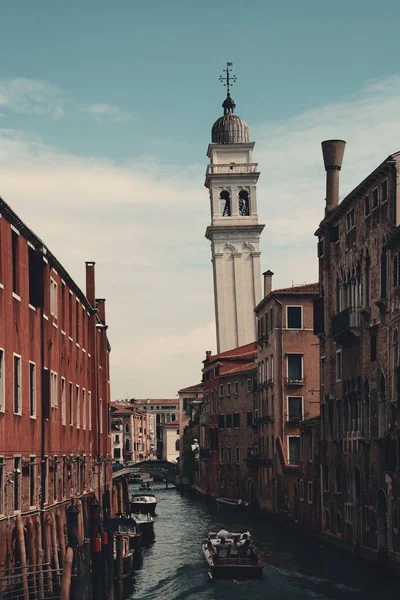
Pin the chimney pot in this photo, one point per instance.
(208, 354)
(332, 152)
(267, 282)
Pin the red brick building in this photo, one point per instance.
(358, 316)
(54, 386)
(307, 493)
(287, 390)
(226, 423)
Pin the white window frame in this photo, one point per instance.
(339, 362)
(78, 406)
(302, 317)
(302, 364)
(53, 298)
(350, 222)
(63, 401)
(17, 510)
(2, 381)
(2, 485)
(32, 392)
(19, 375)
(288, 449)
(53, 389)
(84, 409)
(71, 403)
(101, 414)
(287, 405)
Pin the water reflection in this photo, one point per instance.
(173, 567)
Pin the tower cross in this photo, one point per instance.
(229, 79)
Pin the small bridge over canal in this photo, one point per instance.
(161, 468)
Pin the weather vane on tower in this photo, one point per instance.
(227, 81)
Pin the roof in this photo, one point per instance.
(192, 388)
(307, 289)
(170, 424)
(239, 369)
(145, 401)
(246, 351)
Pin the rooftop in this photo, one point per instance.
(307, 289)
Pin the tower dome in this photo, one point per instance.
(229, 129)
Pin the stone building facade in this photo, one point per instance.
(133, 433)
(287, 390)
(54, 387)
(165, 411)
(357, 320)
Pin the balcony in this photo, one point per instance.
(293, 421)
(264, 419)
(294, 382)
(204, 453)
(346, 324)
(232, 168)
(205, 419)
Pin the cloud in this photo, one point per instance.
(30, 96)
(143, 223)
(107, 112)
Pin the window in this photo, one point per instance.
(366, 206)
(53, 298)
(249, 386)
(15, 260)
(32, 389)
(338, 481)
(63, 306)
(348, 513)
(294, 317)
(383, 273)
(53, 389)
(338, 365)
(221, 455)
(237, 455)
(64, 476)
(90, 409)
(322, 370)
(295, 408)
(70, 313)
(301, 489)
(84, 409)
(229, 455)
(236, 387)
(77, 319)
(2, 480)
(373, 344)
(2, 391)
(384, 191)
(55, 477)
(375, 198)
(101, 414)
(396, 269)
(78, 408)
(17, 483)
(294, 450)
(225, 204)
(229, 421)
(350, 220)
(63, 403)
(310, 492)
(71, 404)
(17, 385)
(221, 421)
(249, 419)
(228, 389)
(295, 368)
(236, 420)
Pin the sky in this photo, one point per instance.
(106, 111)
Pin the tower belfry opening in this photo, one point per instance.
(234, 231)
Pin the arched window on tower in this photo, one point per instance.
(225, 203)
(244, 204)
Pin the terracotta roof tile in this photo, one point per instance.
(307, 288)
(248, 350)
(239, 369)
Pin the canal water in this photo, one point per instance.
(173, 567)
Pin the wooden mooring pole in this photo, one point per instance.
(120, 568)
(22, 553)
(66, 580)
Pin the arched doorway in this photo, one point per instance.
(357, 507)
(381, 515)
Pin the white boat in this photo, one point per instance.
(144, 523)
(238, 562)
(232, 503)
(143, 503)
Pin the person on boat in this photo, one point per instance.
(234, 549)
(222, 548)
(148, 486)
(222, 533)
(244, 545)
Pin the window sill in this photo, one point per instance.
(33, 417)
(55, 325)
(62, 332)
(14, 295)
(77, 345)
(45, 317)
(32, 307)
(70, 338)
(1, 286)
(18, 414)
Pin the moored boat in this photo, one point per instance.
(144, 523)
(128, 555)
(232, 557)
(143, 503)
(232, 503)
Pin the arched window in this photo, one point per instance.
(383, 273)
(327, 520)
(127, 446)
(382, 421)
(244, 204)
(177, 446)
(367, 281)
(396, 366)
(225, 203)
(339, 524)
(173, 417)
(366, 415)
(338, 303)
(126, 427)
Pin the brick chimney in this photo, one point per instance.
(208, 354)
(332, 151)
(267, 282)
(90, 282)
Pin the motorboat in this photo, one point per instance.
(128, 555)
(128, 527)
(232, 557)
(143, 503)
(144, 523)
(232, 503)
(135, 478)
(145, 486)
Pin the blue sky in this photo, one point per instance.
(105, 116)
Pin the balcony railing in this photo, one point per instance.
(348, 321)
(295, 382)
(205, 419)
(232, 168)
(293, 421)
(264, 419)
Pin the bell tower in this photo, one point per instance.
(234, 232)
